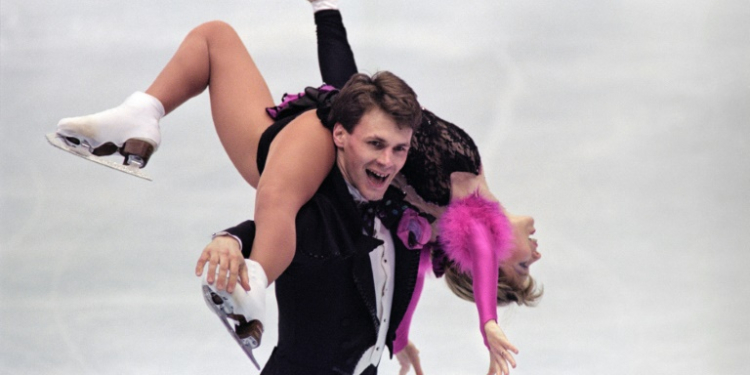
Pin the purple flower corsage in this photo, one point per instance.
(414, 230)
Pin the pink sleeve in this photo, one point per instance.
(476, 235)
(484, 265)
(402, 332)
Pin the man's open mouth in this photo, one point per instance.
(377, 177)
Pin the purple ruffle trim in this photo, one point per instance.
(287, 99)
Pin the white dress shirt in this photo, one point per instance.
(382, 261)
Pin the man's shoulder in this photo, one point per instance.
(329, 205)
(334, 189)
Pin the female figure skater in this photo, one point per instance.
(444, 166)
(212, 56)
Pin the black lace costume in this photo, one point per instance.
(438, 148)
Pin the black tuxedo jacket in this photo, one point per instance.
(326, 298)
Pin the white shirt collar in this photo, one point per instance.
(355, 193)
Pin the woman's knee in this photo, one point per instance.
(216, 29)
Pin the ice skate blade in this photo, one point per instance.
(58, 142)
(207, 296)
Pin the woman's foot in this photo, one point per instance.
(132, 128)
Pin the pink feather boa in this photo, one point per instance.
(456, 228)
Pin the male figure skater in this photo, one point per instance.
(351, 279)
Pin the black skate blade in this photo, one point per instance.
(58, 142)
(225, 320)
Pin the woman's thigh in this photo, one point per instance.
(239, 96)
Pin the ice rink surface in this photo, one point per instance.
(622, 127)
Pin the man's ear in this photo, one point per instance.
(339, 135)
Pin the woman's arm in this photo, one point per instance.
(474, 210)
(402, 332)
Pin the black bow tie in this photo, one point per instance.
(388, 210)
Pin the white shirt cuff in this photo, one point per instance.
(225, 233)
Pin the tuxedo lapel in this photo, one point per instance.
(407, 261)
(405, 278)
(346, 207)
(363, 278)
(363, 244)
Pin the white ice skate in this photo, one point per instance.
(241, 312)
(132, 129)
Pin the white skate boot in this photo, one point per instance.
(319, 5)
(132, 129)
(241, 312)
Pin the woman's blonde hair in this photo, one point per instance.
(460, 283)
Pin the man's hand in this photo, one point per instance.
(224, 252)
(501, 350)
(407, 357)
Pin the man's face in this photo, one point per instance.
(370, 156)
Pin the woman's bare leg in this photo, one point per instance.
(212, 55)
(300, 158)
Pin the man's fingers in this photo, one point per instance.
(221, 283)
(201, 263)
(244, 279)
(213, 261)
(233, 266)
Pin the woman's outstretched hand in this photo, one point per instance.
(407, 357)
(501, 350)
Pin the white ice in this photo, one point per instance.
(623, 127)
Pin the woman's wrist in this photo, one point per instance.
(490, 326)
